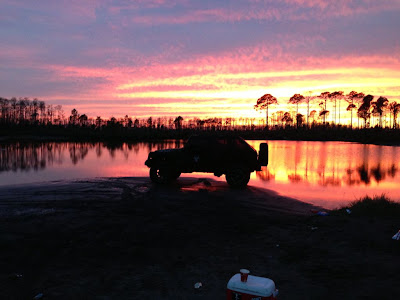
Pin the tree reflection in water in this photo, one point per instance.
(364, 174)
(295, 178)
(265, 175)
(315, 164)
(78, 151)
(29, 156)
(26, 156)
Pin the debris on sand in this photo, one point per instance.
(142, 189)
(320, 212)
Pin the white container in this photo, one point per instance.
(255, 287)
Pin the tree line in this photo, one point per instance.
(363, 105)
(26, 111)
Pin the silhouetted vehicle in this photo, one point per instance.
(231, 156)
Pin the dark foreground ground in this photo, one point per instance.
(124, 238)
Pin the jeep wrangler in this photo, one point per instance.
(231, 156)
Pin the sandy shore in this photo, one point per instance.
(125, 238)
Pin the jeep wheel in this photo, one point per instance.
(238, 177)
(163, 175)
(159, 175)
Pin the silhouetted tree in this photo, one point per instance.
(22, 103)
(13, 106)
(394, 108)
(323, 114)
(287, 118)
(178, 122)
(34, 117)
(308, 100)
(4, 106)
(378, 107)
(73, 118)
(83, 120)
(264, 102)
(42, 108)
(296, 99)
(312, 116)
(99, 121)
(112, 122)
(363, 111)
(352, 97)
(150, 122)
(299, 120)
(50, 113)
(336, 96)
(324, 96)
(35, 109)
(60, 114)
(130, 123)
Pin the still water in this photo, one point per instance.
(329, 174)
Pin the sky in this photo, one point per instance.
(195, 58)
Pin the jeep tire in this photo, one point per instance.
(238, 177)
(164, 175)
(159, 175)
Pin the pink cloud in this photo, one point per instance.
(171, 87)
(116, 8)
(266, 10)
(215, 15)
(232, 75)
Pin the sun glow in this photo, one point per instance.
(234, 94)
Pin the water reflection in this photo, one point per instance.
(330, 163)
(362, 175)
(303, 170)
(37, 156)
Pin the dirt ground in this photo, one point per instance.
(125, 238)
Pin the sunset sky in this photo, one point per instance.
(191, 58)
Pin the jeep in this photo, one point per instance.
(231, 156)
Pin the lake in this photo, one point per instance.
(328, 174)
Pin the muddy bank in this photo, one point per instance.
(124, 238)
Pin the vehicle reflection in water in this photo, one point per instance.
(324, 173)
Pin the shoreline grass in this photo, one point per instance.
(381, 206)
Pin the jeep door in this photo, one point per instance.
(204, 154)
